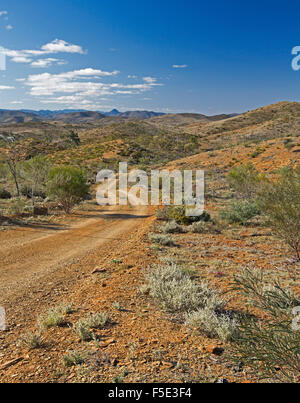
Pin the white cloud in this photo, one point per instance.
(6, 87)
(43, 63)
(81, 87)
(60, 46)
(150, 80)
(3, 13)
(54, 47)
(133, 77)
(69, 82)
(21, 59)
(180, 66)
(9, 27)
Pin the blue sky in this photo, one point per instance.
(171, 56)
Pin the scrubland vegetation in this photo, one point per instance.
(227, 280)
(261, 337)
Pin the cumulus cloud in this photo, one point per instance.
(69, 82)
(9, 27)
(54, 47)
(6, 87)
(81, 86)
(21, 59)
(43, 63)
(180, 66)
(60, 46)
(3, 13)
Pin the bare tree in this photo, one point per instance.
(13, 155)
(36, 173)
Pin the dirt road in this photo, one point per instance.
(35, 260)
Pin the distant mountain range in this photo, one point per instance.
(130, 114)
(77, 116)
(68, 115)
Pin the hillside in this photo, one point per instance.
(269, 122)
(14, 117)
(79, 117)
(156, 140)
(71, 116)
(184, 119)
(104, 262)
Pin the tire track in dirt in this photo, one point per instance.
(27, 261)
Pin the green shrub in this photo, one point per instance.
(280, 202)
(172, 228)
(240, 212)
(204, 228)
(35, 173)
(213, 325)
(17, 206)
(53, 317)
(179, 215)
(72, 358)
(161, 239)
(83, 331)
(163, 214)
(269, 344)
(68, 185)
(97, 320)
(92, 321)
(178, 293)
(245, 179)
(32, 340)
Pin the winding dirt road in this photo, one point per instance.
(37, 260)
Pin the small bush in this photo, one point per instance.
(17, 207)
(203, 228)
(83, 331)
(212, 324)
(72, 358)
(178, 293)
(65, 308)
(161, 239)
(54, 317)
(163, 214)
(280, 203)
(32, 340)
(179, 215)
(245, 179)
(93, 321)
(172, 228)
(5, 194)
(240, 212)
(68, 185)
(97, 320)
(269, 345)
